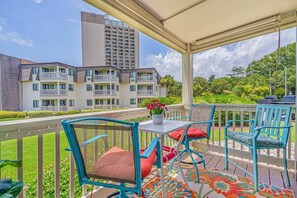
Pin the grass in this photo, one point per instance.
(10, 119)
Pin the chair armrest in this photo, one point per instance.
(148, 151)
(204, 122)
(257, 130)
(89, 141)
(178, 118)
(14, 163)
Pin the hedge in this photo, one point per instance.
(73, 111)
(37, 114)
(12, 114)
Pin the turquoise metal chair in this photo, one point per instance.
(270, 130)
(201, 116)
(113, 166)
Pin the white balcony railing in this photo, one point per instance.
(104, 77)
(146, 79)
(53, 92)
(105, 92)
(146, 93)
(105, 106)
(53, 76)
(49, 108)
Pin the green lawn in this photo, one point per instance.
(10, 119)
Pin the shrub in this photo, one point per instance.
(12, 114)
(37, 114)
(86, 111)
(58, 113)
(73, 112)
(163, 100)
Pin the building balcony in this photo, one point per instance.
(53, 76)
(105, 106)
(146, 93)
(104, 92)
(18, 131)
(146, 79)
(54, 108)
(53, 92)
(104, 78)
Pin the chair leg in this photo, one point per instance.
(195, 165)
(226, 154)
(285, 167)
(255, 166)
(174, 160)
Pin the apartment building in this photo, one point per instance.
(108, 42)
(60, 87)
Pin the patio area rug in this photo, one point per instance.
(213, 183)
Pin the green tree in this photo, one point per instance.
(211, 78)
(219, 85)
(200, 85)
(167, 81)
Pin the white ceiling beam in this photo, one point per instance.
(134, 15)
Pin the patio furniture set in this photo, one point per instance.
(126, 168)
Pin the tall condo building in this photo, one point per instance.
(108, 42)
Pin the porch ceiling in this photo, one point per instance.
(204, 24)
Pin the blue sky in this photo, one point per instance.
(50, 30)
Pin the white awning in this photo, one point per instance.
(203, 24)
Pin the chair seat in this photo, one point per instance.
(247, 138)
(192, 133)
(118, 165)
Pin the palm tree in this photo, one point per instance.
(167, 81)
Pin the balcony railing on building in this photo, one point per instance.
(54, 108)
(146, 79)
(104, 77)
(105, 106)
(145, 93)
(53, 76)
(105, 92)
(53, 92)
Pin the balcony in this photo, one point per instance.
(40, 130)
(53, 76)
(105, 92)
(146, 93)
(54, 108)
(105, 106)
(141, 79)
(53, 92)
(104, 78)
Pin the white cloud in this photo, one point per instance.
(14, 37)
(37, 1)
(219, 61)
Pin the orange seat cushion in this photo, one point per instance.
(118, 165)
(192, 133)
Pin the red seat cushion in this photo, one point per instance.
(192, 133)
(118, 165)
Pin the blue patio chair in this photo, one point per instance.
(201, 117)
(270, 130)
(112, 167)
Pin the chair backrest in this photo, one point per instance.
(91, 139)
(273, 116)
(202, 113)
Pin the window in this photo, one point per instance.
(112, 87)
(62, 70)
(63, 86)
(132, 74)
(89, 102)
(117, 87)
(34, 70)
(89, 87)
(35, 87)
(70, 72)
(88, 72)
(118, 102)
(149, 87)
(132, 87)
(132, 101)
(112, 101)
(63, 103)
(71, 103)
(71, 87)
(35, 103)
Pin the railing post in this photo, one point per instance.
(57, 162)
(40, 167)
(20, 169)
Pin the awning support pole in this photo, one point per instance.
(187, 77)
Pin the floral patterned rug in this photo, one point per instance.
(213, 183)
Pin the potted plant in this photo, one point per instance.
(157, 111)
